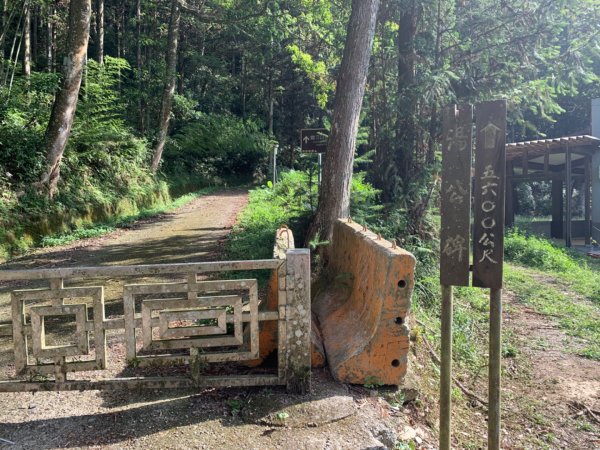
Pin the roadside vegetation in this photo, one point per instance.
(292, 202)
(86, 231)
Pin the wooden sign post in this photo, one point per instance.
(487, 242)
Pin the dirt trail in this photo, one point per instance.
(547, 387)
(191, 233)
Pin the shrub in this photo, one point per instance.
(218, 146)
(535, 252)
(291, 201)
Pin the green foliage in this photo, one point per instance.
(291, 202)
(578, 317)
(316, 72)
(104, 165)
(24, 113)
(216, 146)
(535, 252)
(372, 382)
(270, 207)
(364, 199)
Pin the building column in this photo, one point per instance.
(556, 227)
(595, 172)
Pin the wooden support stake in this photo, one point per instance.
(495, 364)
(446, 370)
(298, 321)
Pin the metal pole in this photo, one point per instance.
(495, 369)
(320, 159)
(446, 369)
(275, 148)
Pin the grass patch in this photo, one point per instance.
(577, 317)
(97, 230)
(564, 274)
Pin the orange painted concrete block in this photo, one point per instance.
(363, 310)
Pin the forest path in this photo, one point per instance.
(549, 391)
(191, 233)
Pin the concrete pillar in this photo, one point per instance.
(595, 173)
(556, 227)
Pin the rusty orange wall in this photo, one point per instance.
(362, 314)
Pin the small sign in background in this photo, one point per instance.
(314, 140)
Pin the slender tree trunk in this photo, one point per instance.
(243, 86)
(334, 196)
(406, 98)
(27, 42)
(49, 39)
(34, 35)
(3, 37)
(181, 63)
(65, 103)
(270, 104)
(138, 59)
(170, 81)
(433, 123)
(100, 31)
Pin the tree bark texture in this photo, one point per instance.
(334, 196)
(138, 60)
(3, 37)
(401, 163)
(100, 31)
(27, 41)
(65, 103)
(170, 82)
(49, 39)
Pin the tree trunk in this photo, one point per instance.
(334, 196)
(170, 81)
(65, 103)
(51, 38)
(270, 103)
(406, 107)
(34, 35)
(27, 42)
(138, 60)
(100, 31)
(3, 37)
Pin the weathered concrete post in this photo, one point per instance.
(595, 172)
(298, 321)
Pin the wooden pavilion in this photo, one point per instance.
(565, 162)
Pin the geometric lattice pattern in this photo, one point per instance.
(33, 332)
(212, 324)
(55, 332)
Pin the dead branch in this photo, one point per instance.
(436, 359)
(583, 409)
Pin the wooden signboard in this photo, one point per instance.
(314, 140)
(490, 181)
(488, 240)
(456, 195)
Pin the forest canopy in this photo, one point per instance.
(106, 99)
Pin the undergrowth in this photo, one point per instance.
(570, 293)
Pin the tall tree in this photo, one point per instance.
(27, 41)
(65, 103)
(334, 196)
(50, 31)
(100, 31)
(170, 82)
